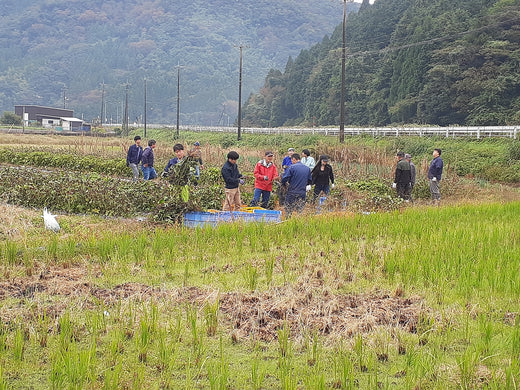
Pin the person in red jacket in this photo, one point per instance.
(265, 173)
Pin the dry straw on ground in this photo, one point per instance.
(305, 307)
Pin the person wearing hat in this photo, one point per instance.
(287, 161)
(196, 153)
(413, 171)
(403, 176)
(265, 173)
(307, 159)
(322, 177)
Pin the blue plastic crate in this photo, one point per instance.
(202, 218)
(267, 215)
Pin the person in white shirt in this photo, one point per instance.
(307, 159)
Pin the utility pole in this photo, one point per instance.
(102, 103)
(64, 99)
(342, 94)
(145, 108)
(239, 137)
(125, 118)
(178, 96)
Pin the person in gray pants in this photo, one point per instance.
(434, 176)
(133, 157)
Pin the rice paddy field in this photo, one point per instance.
(404, 297)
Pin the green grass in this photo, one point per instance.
(149, 306)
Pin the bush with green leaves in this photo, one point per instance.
(104, 195)
(74, 162)
(10, 118)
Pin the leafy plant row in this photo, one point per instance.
(72, 162)
(98, 194)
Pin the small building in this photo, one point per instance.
(49, 117)
(73, 124)
(44, 116)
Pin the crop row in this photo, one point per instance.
(98, 194)
(74, 162)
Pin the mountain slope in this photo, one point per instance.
(56, 51)
(436, 62)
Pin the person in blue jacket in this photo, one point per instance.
(178, 150)
(287, 161)
(435, 175)
(133, 157)
(299, 179)
(147, 161)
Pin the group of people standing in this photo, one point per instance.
(136, 155)
(405, 176)
(299, 174)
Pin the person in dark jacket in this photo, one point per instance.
(322, 177)
(133, 157)
(233, 178)
(149, 172)
(178, 150)
(434, 176)
(299, 179)
(402, 176)
(413, 175)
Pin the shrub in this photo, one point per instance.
(10, 118)
(100, 194)
(67, 161)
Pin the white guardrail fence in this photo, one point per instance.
(455, 131)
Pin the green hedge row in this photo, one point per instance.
(73, 162)
(104, 195)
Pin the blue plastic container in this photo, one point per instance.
(202, 218)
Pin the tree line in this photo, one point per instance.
(440, 62)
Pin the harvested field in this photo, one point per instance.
(253, 314)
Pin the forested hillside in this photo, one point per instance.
(438, 62)
(53, 49)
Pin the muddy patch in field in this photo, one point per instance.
(304, 307)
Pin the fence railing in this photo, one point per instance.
(454, 131)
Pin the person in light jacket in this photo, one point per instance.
(307, 159)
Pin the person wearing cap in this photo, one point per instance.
(307, 159)
(232, 178)
(299, 179)
(402, 176)
(434, 176)
(413, 171)
(265, 173)
(287, 161)
(133, 157)
(322, 177)
(196, 153)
